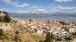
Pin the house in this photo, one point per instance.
(57, 34)
(71, 30)
(64, 33)
(39, 31)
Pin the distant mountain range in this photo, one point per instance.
(42, 14)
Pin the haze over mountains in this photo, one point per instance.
(43, 14)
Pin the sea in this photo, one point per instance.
(39, 16)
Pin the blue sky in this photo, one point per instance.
(38, 6)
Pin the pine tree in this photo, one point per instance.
(1, 32)
(49, 37)
(16, 38)
(68, 38)
(6, 19)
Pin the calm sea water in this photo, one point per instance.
(47, 17)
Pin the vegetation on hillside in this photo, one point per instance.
(49, 37)
(6, 18)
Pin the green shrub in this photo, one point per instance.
(62, 23)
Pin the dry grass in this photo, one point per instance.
(23, 37)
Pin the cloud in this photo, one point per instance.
(34, 7)
(21, 11)
(38, 10)
(20, 5)
(52, 9)
(63, 0)
(7, 1)
(3, 9)
(62, 9)
(16, 4)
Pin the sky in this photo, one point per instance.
(38, 6)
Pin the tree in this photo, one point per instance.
(6, 19)
(62, 23)
(74, 34)
(52, 37)
(49, 37)
(2, 35)
(59, 39)
(1, 32)
(16, 38)
(68, 38)
(17, 32)
(48, 21)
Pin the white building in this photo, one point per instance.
(71, 30)
(39, 31)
